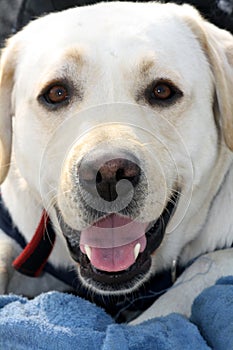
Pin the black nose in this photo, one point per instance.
(100, 175)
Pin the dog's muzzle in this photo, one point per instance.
(114, 249)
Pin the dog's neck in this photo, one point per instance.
(216, 230)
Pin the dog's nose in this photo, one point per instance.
(100, 176)
(113, 171)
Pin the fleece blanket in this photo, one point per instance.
(59, 321)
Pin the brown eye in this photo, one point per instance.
(162, 91)
(56, 94)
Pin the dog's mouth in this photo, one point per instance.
(114, 253)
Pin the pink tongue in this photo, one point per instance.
(112, 241)
(116, 259)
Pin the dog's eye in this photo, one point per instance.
(56, 94)
(163, 93)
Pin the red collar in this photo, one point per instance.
(35, 254)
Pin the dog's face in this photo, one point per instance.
(116, 125)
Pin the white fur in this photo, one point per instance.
(101, 48)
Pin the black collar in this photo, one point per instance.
(33, 262)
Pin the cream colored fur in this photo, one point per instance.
(111, 52)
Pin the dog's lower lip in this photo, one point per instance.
(116, 279)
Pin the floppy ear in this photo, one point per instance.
(7, 68)
(217, 45)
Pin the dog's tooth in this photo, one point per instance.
(137, 250)
(88, 251)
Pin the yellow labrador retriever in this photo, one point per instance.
(116, 129)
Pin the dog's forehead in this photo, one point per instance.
(119, 27)
(119, 37)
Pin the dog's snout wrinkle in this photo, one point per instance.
(100, 176)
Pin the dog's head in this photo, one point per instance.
(121, 112)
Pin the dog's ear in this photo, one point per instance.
(8, 63)
(217, 45)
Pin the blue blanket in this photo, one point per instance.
(57, 321)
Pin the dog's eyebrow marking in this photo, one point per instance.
(146, 65)
(74, 54)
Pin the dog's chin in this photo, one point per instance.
(124, 280)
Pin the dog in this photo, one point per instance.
(116, 130)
